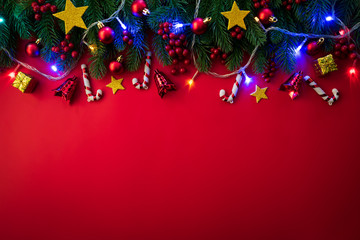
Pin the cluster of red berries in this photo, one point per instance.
(64, 48)
(343, 49)
(176, 47)
(216, 53)
(127, 38)
(237, 33)
(261, 3)
(42, 8)
(270, 70)
(288, 3)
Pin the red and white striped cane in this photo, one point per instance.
(321, 92)
(235, 89)
(90, 96)
(145, 84)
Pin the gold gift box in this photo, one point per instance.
(24, 83)
(325, 65)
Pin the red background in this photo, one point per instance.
(189, 166)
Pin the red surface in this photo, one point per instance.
(189, 166)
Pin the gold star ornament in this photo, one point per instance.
(72, 16)
(236, 17)
(259, 94)
(116, 84)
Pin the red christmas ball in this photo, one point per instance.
(106, 35)
(138, 7)
(265, 16)
(312, 48)
(116, 67)
(199, 26)
(32, 49)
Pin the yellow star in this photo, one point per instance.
(259, 93)
(72, 16)
(116, 84)
(236, 16)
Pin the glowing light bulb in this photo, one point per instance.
(2, 20)
(121, 23)
(342, 32)
(298, 49)
(352, 71)
(329, 18)
(248, 80)
(54, 68)
(12, 75)
(179, 25)
(190, 82)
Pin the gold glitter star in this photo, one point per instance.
(116, 84)
(72, 16)
(236, 16)
(259, 94)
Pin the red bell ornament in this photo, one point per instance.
(106, 34)
(139, 8)
(199, 26)
(266, 16)
(314, 47)
(32, 49)
(117, 67)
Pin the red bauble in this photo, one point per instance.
(74, 54)
(199, 26)
(32, 49)
(139, 8)
(116, 67)
(106, 35)
(265, 16)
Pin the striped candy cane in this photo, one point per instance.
(321, 92)
(90, 96)
(145, 84)
(235, 89)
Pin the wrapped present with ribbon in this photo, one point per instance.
(325, 65)
(67, 89)
(24, 83)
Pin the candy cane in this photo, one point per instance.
(235, 89)
(90, 96)
(321, 92)
(145, 84)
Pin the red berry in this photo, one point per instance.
(267, 80)
(36, 9)
(126, 39)
(288, 7)
(343, 41)
(182, 37)
(172, 35)
(160, 32)
(179, 51)
(297, 1)
(57, 49)
(64, 43)
(265, 75)
(74, 54)
(344, 49)
(126, 33)
(178, 43)
(166, 25)
(337, 53)
(172, 42)
(290, 1)
(130, 42)
(175, 61)
(352, 47)
(187, 62)
(63, 57)
(273, 69)
(71, 45)
(161, 25)
(172, 53)
(272, 64)
(216, 51)
(271, 74)
(239, 36)
(213, 56)
(257, 5)
(223, 62)
(53, 49)
(173, 71)
(43, 9)
(41, 1)
(263, 3)
(185, 53)
(165, 37)
(353, 56)
(37, 17)
(233, 34)
(48, 5)
(337, 46)
(170, 25)
(66, 49)
(53, 9)
(238, 29)
(167, 30)
(224, 56)
(284, 3)
(168, 48)
(182, 70)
